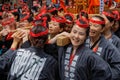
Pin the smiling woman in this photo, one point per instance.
(97, 42)
(77, 61)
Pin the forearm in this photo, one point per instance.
(53, 40)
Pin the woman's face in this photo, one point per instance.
(116, 26)
(77, 35)
(24, 23)
(95, 29)
(54, 27)
(68, 27)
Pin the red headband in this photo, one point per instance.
(60, 8)
(117, 15)
(14, 10)
(39, 34)
(5, 6)
(59, 19)
(26, 17)
(108, 14)
(39, 15)
(96, 21)
(9, 21)
(82, 25)
(51, 10)
(37, 22)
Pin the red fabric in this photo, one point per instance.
(59, 19)
(82, 25)
(13, 49)
(95, 49)
(97, 22)
(117, 15)
(71, 59)
(9, 36)
(14, 10)
(5, 6)
(110, 3)
(1, 13)
(26, 17)
(8, 21)
(63, 5)
(39, 34)
(40, 14)
(108, 14)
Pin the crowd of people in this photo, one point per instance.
(29, 49)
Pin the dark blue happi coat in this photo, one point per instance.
(110, 54)
(29, 64)
(85, 65)
(115, 41)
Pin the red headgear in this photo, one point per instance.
(9, 21)
(117, 15)
(40, 14)
(58, 19)
(108, 14)
(41, 21)
(27, 15)
(38, 34)
(97, 21)
(82, 25)
(51, 10)
(5, 7)
(14, 10)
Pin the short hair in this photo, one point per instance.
(40, 40)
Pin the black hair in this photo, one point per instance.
(30, 19)
(82, 14)
(38, 41)
(69, 17)
(54, 12)
(17, 14)
(111, 19)
(84, 22)
(61, 9)
(48, 16)
(100, 18)
(34, 8)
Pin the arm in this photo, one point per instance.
(53, 70)
(5, 58)
(53, 40)
(99, 68)
(113, 59)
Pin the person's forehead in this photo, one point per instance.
(78, 28)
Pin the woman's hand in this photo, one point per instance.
(53, 40)
(17, 38)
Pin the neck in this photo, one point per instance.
(107, 34)
(94, 39)
(51, 36)
(74, 50)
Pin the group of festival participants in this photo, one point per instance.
(29, 50)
